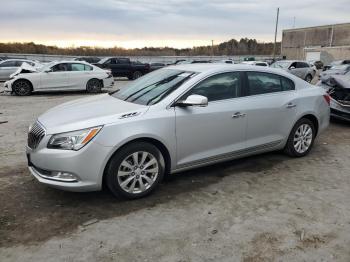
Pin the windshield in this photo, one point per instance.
(280, 64)
(153, 87)
(103, 60)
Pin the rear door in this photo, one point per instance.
(124, 66)
(215, 131)
(56, 78)
(272, 104)
(78, 75)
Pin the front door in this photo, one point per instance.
(214, 132)
(56, 78)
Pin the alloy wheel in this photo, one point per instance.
(303, 138)
(137, 172)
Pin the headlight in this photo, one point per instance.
(73, 140)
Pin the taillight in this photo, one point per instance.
(327, 97)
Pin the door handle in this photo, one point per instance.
(291, 105)
(238, 114)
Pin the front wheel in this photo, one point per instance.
(136, 74)
(301, 138)
(22, 88)
(135, 171)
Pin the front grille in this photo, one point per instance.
(35, 135)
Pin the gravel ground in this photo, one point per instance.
(263, 208)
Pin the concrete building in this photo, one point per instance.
(325, 43)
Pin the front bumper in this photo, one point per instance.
(8, 86)
(87, 165)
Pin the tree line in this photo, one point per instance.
(244, 46)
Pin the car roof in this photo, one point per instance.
(212, 67)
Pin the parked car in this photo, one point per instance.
(336, 63)
(225, 61)
(124, 67)
(174, 119)
(298, 68)
(155, 66)
(184, 62)
(256, 63)
(89, 59)
(335, 70)
(57, 76)
(338, 87)
(9, 66)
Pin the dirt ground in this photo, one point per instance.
(263, 208)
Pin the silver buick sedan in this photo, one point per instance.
(174, 119)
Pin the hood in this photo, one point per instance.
(88, 112)
(324, 75)
(24, 68)
(342, 81)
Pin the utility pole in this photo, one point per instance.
(274, 46)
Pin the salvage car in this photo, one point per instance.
(298, 68)
(336, 63)
(335, 70)
(123, 67)
(174, 119)
(338, 87)
(9, 66)
(59, 76)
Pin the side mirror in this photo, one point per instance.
(48, 70)
(194, 100)
(292, 67)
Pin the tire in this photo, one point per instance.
(308, 78)
(300, 142)
(131, 180)
(94, 86)
(22, 87)
(136, 75)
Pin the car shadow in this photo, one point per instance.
(33, 212)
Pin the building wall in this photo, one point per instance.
(332, 41)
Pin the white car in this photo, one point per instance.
(9, 66)
(55, 76)
(256, 63)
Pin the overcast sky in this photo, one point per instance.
(177, 23)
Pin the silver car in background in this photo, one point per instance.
(174, 119)
(301, 69)
(9, 66)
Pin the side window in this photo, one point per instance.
(60, 67)
(19, 63)
(77, 67)
(302, 65)
(113, 61)
(219, 87)
(293, 65)
(263, 83)
(260, 64)
(287, 84)
(123, 61)
(88, 68)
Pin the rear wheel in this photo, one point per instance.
(22, 87)
(94, 86)
(308, 78)
(135, 171)
(301, 138)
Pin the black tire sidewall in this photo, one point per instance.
(289, 149)
(119, 156)
(29, 91)
(308, 76)
(136, 74)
